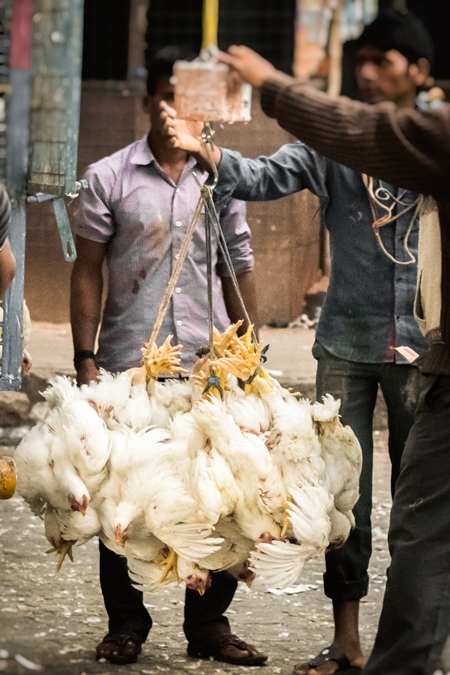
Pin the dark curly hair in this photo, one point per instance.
(400, 30)
(161, 64)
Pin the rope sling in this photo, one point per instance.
(375, 200)
(205, 205)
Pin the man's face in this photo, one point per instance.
(384, 76)
(164, 92)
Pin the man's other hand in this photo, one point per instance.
(87, 372)
(250, 65)
(181, 133)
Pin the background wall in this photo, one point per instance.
(286, 233)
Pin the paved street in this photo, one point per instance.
(51, 622)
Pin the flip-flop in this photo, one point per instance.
(213, 649)
(330, 654)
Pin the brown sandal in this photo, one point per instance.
(214, 649)
(119, 648)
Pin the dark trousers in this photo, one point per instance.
(203, 615)
(415, 619)
(356, 384)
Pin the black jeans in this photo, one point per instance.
(356, 384)
(415, 619)
(203, 615)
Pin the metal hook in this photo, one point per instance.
(208, 134)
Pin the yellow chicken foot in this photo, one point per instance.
(170, 565)
(62, 550)
(286, 522)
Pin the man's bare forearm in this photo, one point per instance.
(85, 314)
(85, 309)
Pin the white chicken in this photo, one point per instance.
(119, 402)
(81, 443)
(148, 505)
(38, 482)
(342, 455)
(259, 490)
(281, 562)
(65, 529)
(185, 478)
(168, 399)
(301, 450)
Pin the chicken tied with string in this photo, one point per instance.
(185, 478)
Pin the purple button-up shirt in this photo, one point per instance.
(143, 215)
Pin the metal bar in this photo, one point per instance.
(65, 232)
(17, 136)
(11, 372)
(55, 104)
(75, 50)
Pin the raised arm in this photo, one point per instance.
(402, 146)
(293, 168)
(405, 147)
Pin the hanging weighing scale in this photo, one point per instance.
(207, 91)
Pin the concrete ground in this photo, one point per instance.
(51, 622)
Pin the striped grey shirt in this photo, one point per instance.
(5, 215)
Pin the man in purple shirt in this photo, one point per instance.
(134, 216)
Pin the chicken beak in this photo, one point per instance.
(119, 537)
(75, 505)
(201, 591)
(84, 505)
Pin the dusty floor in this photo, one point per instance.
(55, 620)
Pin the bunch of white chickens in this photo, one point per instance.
(187, 477)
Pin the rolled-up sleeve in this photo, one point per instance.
(233, 220)
(5, 215)
(92, 215)
(358, 135)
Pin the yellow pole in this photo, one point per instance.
(210, 23)
(335, 51)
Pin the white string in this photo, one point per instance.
(376, 199)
